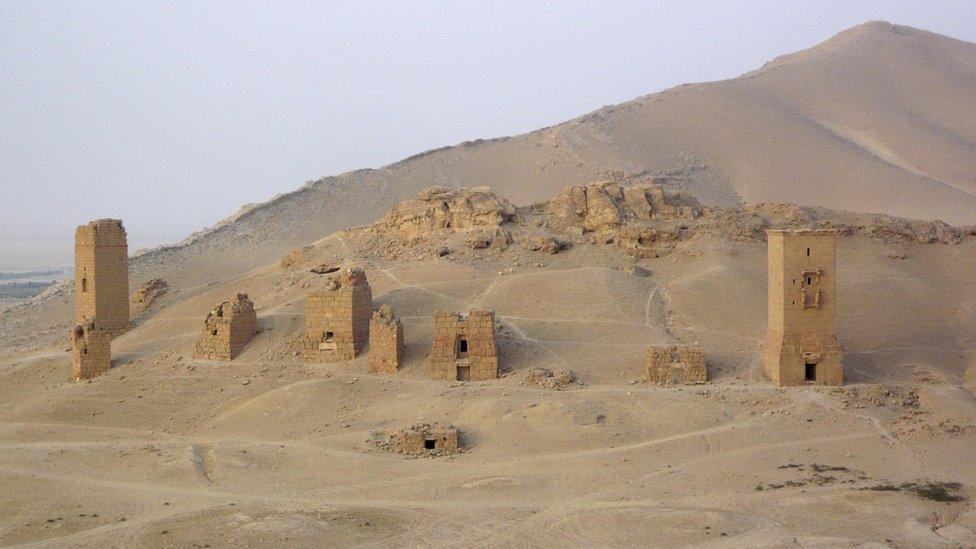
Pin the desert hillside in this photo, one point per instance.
(270, 450)
(880, 118)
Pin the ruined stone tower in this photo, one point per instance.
(801, 342)
(227, 330)
(91, 351)
(385, 341)
(464, 347)
(337, 318)
(102, 275)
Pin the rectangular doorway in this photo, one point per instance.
(463, 372)
(810, 372)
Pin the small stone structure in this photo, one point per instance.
(424, 439)
(464, 347)
(385, 341)
(91, 351)
(675, 365)
(337, 318)
(102, 275)
(227, 330)
(801, 344)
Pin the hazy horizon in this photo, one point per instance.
(172, 116)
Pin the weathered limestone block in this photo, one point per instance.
(385, 341)
(337, 318)
(464, 347)
(424, 439)
(102, 275)
(675, 365)
(227, 330)
(442, 208)
(91, 351)
(605, 206)
(801, 345)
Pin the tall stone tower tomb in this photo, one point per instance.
(102, 275)
(801, 344)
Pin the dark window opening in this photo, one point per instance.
(329, 337)
(809, 280)
(810, 372)
(430, 444)
(84, 284)
(808, 252)
(463, 346)
(213, 332)
(85, 352)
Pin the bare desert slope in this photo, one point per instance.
(880, 118)
(269, 450)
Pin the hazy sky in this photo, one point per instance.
(171, 115)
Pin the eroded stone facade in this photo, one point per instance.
(464, 347)
(91, 351)
(424, 439)
(385, 341)
(102, 275)
(337, 318)
(227, 330)
(675, 365)
(801, 344)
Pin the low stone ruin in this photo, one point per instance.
(91, 351)
(550, 379)
(464, 347)
(675, 365)
(227, 330)
(385, 341)
(441, 208)
(148, 292)
(337, 316)
(423, 439)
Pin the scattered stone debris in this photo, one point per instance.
(423, 439)
(296, 258)
(542, 242)
(550, 379)
(325, 269)
(148, 292)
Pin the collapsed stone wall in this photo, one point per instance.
(91, 351)
(102, 275)
(337, 318)
(385, 341)
(464, 347)
(147, 293)
(675, 365)
(424, 439)
(227, 330)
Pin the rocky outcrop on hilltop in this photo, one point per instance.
(437, 208)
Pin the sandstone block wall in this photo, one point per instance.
(102, 275)
(337, 318)
(675, 365)
(227, 330)
(385, 341)
(464, 347)
(91, 351)
(423, 439)
(801, 344)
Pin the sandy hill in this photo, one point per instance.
(880, 118)
(271, 451)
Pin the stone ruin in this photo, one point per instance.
(385, 341)
(102, 275)
(801, 344)
(638, 218)
(337, 318)
(464, 347)
(438, 208)
(227, 330)
(675, 365)
(550, 379)
(91, 351)
(148, 292)
(423, 439)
